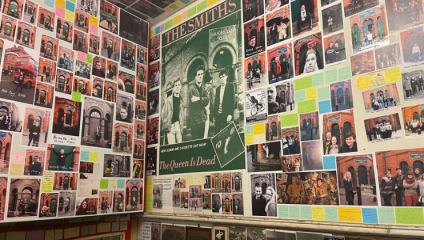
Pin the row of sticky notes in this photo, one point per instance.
(112, 183)
(255, 133)
(334, 75)
(378, 79)
(89, 156)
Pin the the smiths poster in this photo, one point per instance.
(202, 93)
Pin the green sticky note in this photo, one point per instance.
(307, 106)
(409, 215)
(89, 58)
(345, 73)
(173, 7)
(306, 212)
(149, 181)
(294, 212)
(317, 79)
(299, 96)
(331, 214)
(149, 202)
(76, 96)
(303, 83)
(73, 1)
(249, 129)
(191, 11)
(169, 24)
(283, 211)
(104, 183)
(323, 93)
(331, 76)
(290, 120)
(386, 215)
(201, 6)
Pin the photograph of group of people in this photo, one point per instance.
(413, 84)
(413, 119)
(385, 127)
(381, 98)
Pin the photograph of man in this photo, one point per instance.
(404, 14)
(223, 106)
(253, 9)
(61, 157)
(173, 115)
(332, 19)
(275, 103)
(264, 195)
(311, 58)
(198, 100)
(413, 84)
(385, 127)
(258, 202)
(264, 157)
(254, 40)
(278, 26)
(293, 144)
(99, 70)
(34, 134)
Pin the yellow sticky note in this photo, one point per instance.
(16, 169)
(363, 82)
(103, 227)
(47, 187)
(311, 93)
(72, 232)
(259, 128)
(191, 180)
(69, 15)
(393, 75)
(48, 176)
(60, 3)
(15, 235)
(318, 213)
(199, 179)
(250, 138)
(94, 21)
(40, 1)
(350, 214)
(94, 156)
(113, 183)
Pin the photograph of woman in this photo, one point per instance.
(410, 185)
(387, 188)
(271, 205)
(349, 187)
(333, 148)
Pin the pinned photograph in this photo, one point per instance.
(312, 155)
(83, 69)
(141, 73)
(138, 169)
(354, 7)
(256, 106)
(154, 48)
(112, 70)
(255, 75)
(226, 203)
(82, 86)
(264, 195)
(207, 199)
(48, 205)
(35, 128)
(413, 118)
(140, 91)
(117, 166)
(278, 25)
(292, 163)
(216, 182)
(381, 98)
(152, 131)
(46, 71)
(154, 75)
(123, 138)
(216, 203)
(109, 15)
(273, 128)
(97, 88)
(309, 124)
(341, 96)
(153, 102)
(280, 63)
(158, 196)
(237, 181)
(332, 19)
(64, 81)
(151, 161)
(387, 127)
(90, 6)
(403, 15)
(110, 91)
(81, 42)
(133, 28)
(254, 42)
(64, 30)
(86, 206)
(290, 139)
(237, 205)
(141, 55)
(105, 202)
(339, 132)
(5, 147)
(138, 149)
(26, 34)
(281, 97)
(94, 44)
(226, 182)
(65, 181)
(11, 116)
(335, 49)
(82, 20)
(184, 200)
(176, 198)
(227, 144)
(44, 95)
(304, 17)
(124, 108)
(253, 9)
(264, 157)
(128, 53)
(62, 158)
(308, 52)
(118, 201)
(413, 84)
(134, 191)
(126, 82)
(140, 110)
(34, 160)
(49, 47)
(140, 129)
(362, 63)
(110, 46)
(66, 119)
(66, 59)
(45, 19)
(25, 202)
(388, 56)
(99, 67)
(30, 12)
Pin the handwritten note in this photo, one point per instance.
(369, 215)
(16, 169)
(318, 213)
(329, 162)
(104, 183)
(331, 214)
(46, 187)
(350, 214)
(248, 129)
(306, 212)
(60, 4)
(250, 138)
(60, 12)
(331, 76)
(344, 73)
(324, 106)
(300, 96)
(363, 82)
(323, 93)
(72, 232)
(386, 215)
(303, 83)
(259, 128)
(409, 215)
(307, 106)
(85, 155)
(393, 75)
(283, 211)
(94, 156)
(317, 79)
(294, 212)
(76, 96)
(94, 29)
(89, 58)
(377, 78)
(113, 183)
(69, 15)
(290, 120)
(311, 93)
(48, 176)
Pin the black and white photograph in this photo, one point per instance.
(382, 128)
(237, 181)
(332, 19)
(310, 52)
(335, 49)
(264, 195)
(413, 84)
(254, 233)
(220, 233)
(133, 28)
(327, 2)
(151, 161)
(89, 6)
(23, 202)
(11, 116)
(82, 69)
(388, 56)
(173, 232)
(253, 9)
(281, 97)
(216, 203)
(124, 108)
(237, 233)
(264, 157)
(68, 206)
(206, 181)
(309, 236)
(157, 196)
(254, 37)
(153, 102)
(256, 106)
(278, 234)
(117, 166)
(227, 144)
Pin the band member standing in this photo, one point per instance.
(173, 112)
(224, 103)
(198, 99)
(258, 202)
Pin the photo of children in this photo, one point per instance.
(339, 132)
(386, 127)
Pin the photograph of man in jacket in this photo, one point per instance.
(223, 107)
(198, 100)
(173, 114)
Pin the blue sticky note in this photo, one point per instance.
(324, 107)
(157, 30)
(294, 212)
(283, 211)
(369, 215)
(49, 3)
(70, 6)
(185, 1)
(329, 162)
(121, 183)
(306, 212)
(85, 156)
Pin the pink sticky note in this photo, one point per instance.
(81, 56)
(60, 12)
(94, 30)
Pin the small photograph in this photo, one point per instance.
(140, 127)
(281, 98)
(118, 201)
(49, 204)
(105, 204)
(413, 118)
(109, 15)
(138, 168)
(82, 69)
(292, 163)
(254, 42)
(240, 232)
(99, 67)
(226, 140)
(173, 232)
(207, 182)
(184, 200)
(97, 88)
(154, 49)
(45, 19)
(86, 167)
(141, 73)
(110, 46)
(278, 25)
(117, 166)
(5, 148)
(43, 95)
(24, 202)
(362, 63)
(264, 195)
(341, 96)
(153, 102)
(271, 5)
(176, 198)
(354, 7)
(403, 15)
(339, 132)
(237, 181)
(207, 199)
(35, 127)
(312, 155)
(226, 182)
(140, 91)
(304, 17)
(152, 131)
(237, 203)
(65, 181)
(123, 138)
(66, 59)
(158, 196)
(413, 84)
(216, 182)
(64, 30)
(180, 182)
(140, 110)
(381, 98)
(128, 54)
(90, 6)
(357, 179)
(256, 106)
(138, 149)
(383, 128)
(290, 139)
(26, 34)
(8, 31)
(195, 191)
(86, 206)
(147, 9)
(388, 56)
(309, 50)
(62, 158)
(255, 74)
(277, 234)
(369, 30)
(221, 233)
(124, 108)
(311, 188)
(81, 42)
(134, 191)
(141, 55)
(10, 110)
(309, 124)
(94, 44)
(133, 28)
(110, 91)
(126, 82)
(273, 128)
(254, 233)
(156, 231)
(46, 71)
(332, 19)
(335, 51)
(64, 81)
(82, 20)
(30, 12)
(280, 64)
(13, 8)
(216, 203)
(227, 203)
(151, 161)
(154, 75)
(67, 115)
(264, 157)
(112, 70)
(34, 159)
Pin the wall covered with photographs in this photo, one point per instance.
(72, 134)
(289, 109)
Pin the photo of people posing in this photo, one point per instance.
(255, 76)
(278, 25)
(382, 128)
(290, 141)
(335, 51)
(357, 185)
(303, 17)
(403, 15)
(413, 118)
(311, 188)
(341, 96)
(281, 97)
(381, 98)
(264, 157)
(388, 56)
(62, 158)
(264, 195)
(292, 163)
(413, 84)
(354, 7)
(280, 63)
(332, 19)
(308, 52)
(254, 37)
(339, 133)
(309, 124)
(412, 47)
(253, 9)
(67, 119)
(362, 63)
(312, 155)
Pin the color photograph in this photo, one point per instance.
(264, 157)
(413, 119)
(335, 49)
(386, 127)
(254, 37)
(66, 119)
(341, 96)
(304, 17)
(413, 84)
(62, 158)
(280, 63)
(381, 98)
(278, 26)
(411, 47)
(309, 53)
(339, 132)
(255, 75)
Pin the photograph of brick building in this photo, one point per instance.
(64, 29)
(82, 20)
(110, 46)
(66, 204)
(309, 126)
(141, 55)
(94, 44)
(86, 206)
(31, 118)
(82, 86)
(110, 91)
(118, 201)
(311, 21)
(141, 73)
(226, 182)
(252, 9)
(237, 178)
(30, 12)
(362, 63)
(134, 195)
(44, 95)
(278, 26)
(54, 163)
(138, 168)
(81, 42)
(99, 67)
(255, 71)
(48, 204)
(341, 96)
(14, 113)
(65, 181)
(112, 70)
(13, 8)
(66, 58)
(227, 207)
(291, 140)
(154, 74)
(128, 54)
(312, 155)
(273, 128)
(381, 98)
(98, 85)
(26, 34)
(335, 49)
(66, 118)
(264, 157)
(45, 19)
(362, 179)
(140, 129)
(280, 63)
(8, 28)
(410, 39)
(109, 15)
(105, 202)
(140, 91)
(254, 37)
(124, 108)
(138, 149)
(385, 127)
(126, 82)
(140, 110)
(117, 166)
(413, 120)
(23, 192)
(64, 81)
(152, 131)
(5, 150)
(337, 125)
(281, 97)
(123, 137)
(308, 53)
(46, 71)
(97, 123)
(49, 47)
